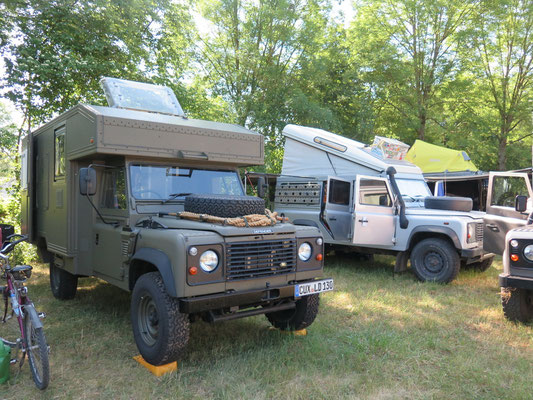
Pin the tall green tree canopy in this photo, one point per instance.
(58, 50)
(500, 56)
(407, 51)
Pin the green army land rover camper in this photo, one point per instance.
(106, 192)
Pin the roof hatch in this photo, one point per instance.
(132, 95)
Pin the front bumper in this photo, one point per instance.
(192, 305)
(472, 253)
(519, 282)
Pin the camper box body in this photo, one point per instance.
(342, 187)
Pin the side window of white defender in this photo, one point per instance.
(506, 188)
(339, 192)
(374, 193)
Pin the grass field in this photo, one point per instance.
(377, 336)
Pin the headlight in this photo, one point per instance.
(528, 252)
(209, 261)
(305, 251)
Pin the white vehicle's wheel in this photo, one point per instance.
(435, 260)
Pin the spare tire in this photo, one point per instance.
(448, 203)
(224, 206)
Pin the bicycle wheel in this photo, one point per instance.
(37, 351)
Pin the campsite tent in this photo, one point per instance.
(432, 158)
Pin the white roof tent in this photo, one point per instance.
(319, 153)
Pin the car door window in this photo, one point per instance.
(114, 193)
(374, 193)
(506, 188)
(339, 192)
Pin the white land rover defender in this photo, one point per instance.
(363, 202)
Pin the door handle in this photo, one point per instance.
(332, 219)
(363, 220)
(493, 227)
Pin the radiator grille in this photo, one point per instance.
(246, 260)
(479, 232)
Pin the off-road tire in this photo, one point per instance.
(517, 304)
(448, 203)
(224, 206)
(435, 260)
(37, 353)
(170, 340)
(62, 283)
(297, 318)
(480, 266)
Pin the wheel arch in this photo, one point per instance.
(426, 231)
(151, 260)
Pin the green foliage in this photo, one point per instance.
(60, 49)
(253, 54)
(9, 183)
(452, 73)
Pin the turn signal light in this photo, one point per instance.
(319, 257)
(514, 257)
(193, 270)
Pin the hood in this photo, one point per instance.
(429, 212)
(177, 223)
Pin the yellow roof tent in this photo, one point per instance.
(432, 158)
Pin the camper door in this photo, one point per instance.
(374, 213)
(338, 208)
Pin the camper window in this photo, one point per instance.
(59, 149)
(374, 193)
(339, 192)
(114, 193)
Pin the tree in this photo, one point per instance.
(408, 54)
(59, 50)
(500, 55)
(253, 52)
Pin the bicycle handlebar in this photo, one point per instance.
(9, 246)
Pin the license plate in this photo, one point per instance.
(305, 289)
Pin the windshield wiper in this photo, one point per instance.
(411, 197)
(174, 195)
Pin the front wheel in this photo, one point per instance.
(517, 304)
(37, 352)
(435, 260)
(62, 283)
(300, 317)
(161, 332)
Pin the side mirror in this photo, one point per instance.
(87, 181)
(261, 187)
(520, 203)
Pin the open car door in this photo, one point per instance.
(337, 214)
(375, 222)
(501, 214)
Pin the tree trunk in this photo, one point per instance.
(502, 145)
(422, 118)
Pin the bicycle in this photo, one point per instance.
(22, 324)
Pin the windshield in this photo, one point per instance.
(413, 189)
(161, 182)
